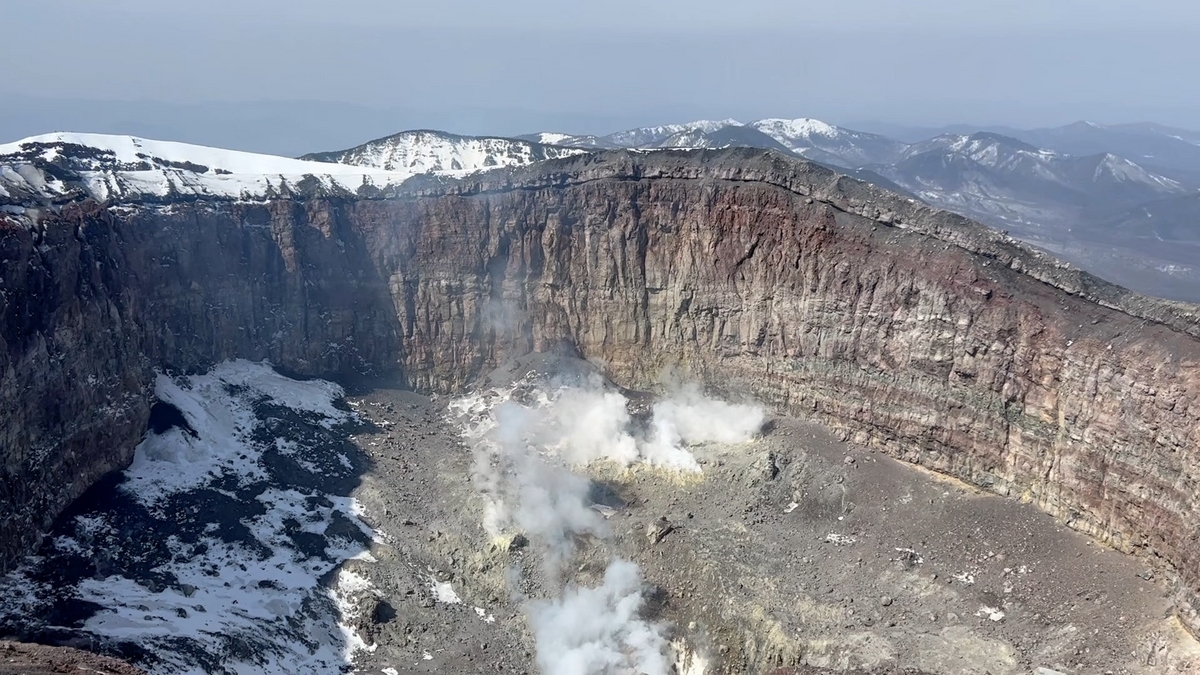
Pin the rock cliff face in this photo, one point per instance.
(914, 331)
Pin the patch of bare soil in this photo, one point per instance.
(19, 658)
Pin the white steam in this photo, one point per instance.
(691, 417)
(592, 425)
(524, 451)
(599, 630)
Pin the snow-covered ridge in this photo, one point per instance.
(551, 138)
(424, 151)
(115, 168)
(805, 137)
(652, 136)
(1121, 169)
(1012, 156)
(133, 153)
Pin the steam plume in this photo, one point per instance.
(523, 454)
(599, 630)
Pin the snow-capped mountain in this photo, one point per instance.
(1159, 147)
(424, 151)
(649, 137)
(686, 135)
(1108, 171)
(809, 138)
(1006, 181)
(723, 137)
(950, 162)
(828, 144)
(566, 140)
(107, 167)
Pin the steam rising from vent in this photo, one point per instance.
(599, 630)
(688, 417)
(593, 425)
(526, 440)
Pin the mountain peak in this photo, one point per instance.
(652, 136)
(800, 127)
(424, 151)
(992, 137)
(1083, 126)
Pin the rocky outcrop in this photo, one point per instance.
(913, 330)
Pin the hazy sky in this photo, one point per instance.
(304, 75)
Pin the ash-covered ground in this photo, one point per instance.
(551, 522)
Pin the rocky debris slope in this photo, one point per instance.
(905, 328)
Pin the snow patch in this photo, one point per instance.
(444, 592)
(990, 613)
(245, 566)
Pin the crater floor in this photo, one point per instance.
(791, 554)
(794, 553)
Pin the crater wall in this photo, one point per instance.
(917, 332)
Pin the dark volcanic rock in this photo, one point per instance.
(916, 331)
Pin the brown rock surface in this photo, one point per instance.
(17, 658)
(917, 332)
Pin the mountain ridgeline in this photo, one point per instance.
(1076, 191)
(426, 151)
(908, 328)
(1073, 190)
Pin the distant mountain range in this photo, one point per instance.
(1122, 201)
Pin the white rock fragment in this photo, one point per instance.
(991, 613)
(443, 592)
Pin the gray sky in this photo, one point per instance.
(304, 75)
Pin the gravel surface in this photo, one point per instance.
(793, 553)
